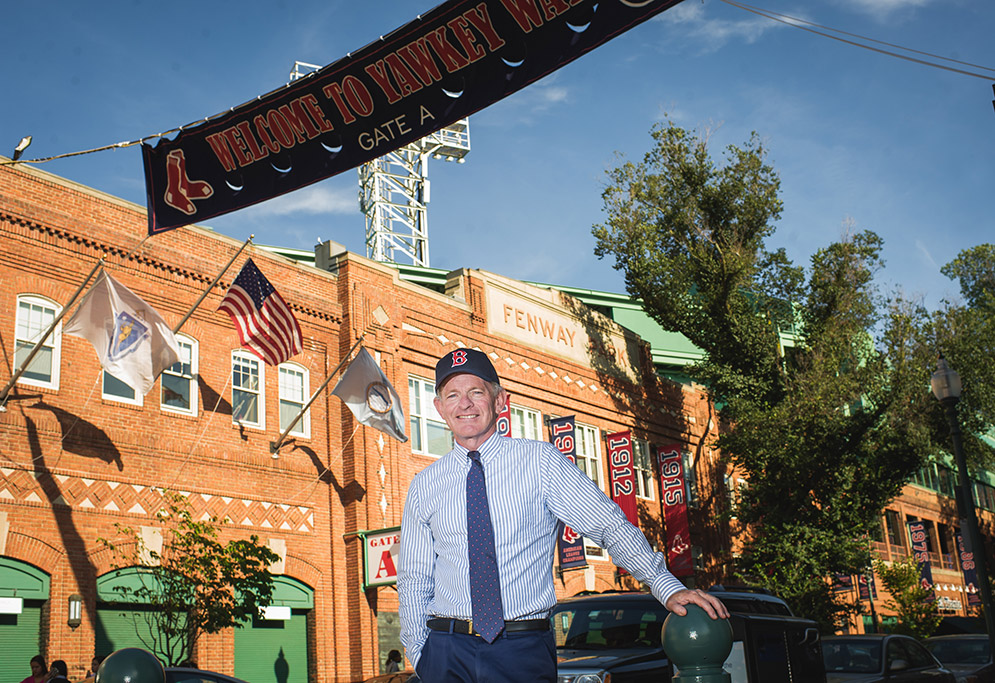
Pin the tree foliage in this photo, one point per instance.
(914, 603)
(195, 584)
(823, 382)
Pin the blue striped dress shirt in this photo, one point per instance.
(530, 487)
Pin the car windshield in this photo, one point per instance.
(852, 656)
(579, 627)
(965, 651)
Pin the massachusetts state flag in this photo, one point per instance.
(265, 324)
(370, 396)
(133, 342)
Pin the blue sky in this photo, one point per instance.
(859, 139)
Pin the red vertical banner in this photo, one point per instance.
(623, 474)
(504, 419)
(562, 433)
(920, 550)
(675, 509)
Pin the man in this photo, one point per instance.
(477, 539)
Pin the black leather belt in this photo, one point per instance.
(465, 627)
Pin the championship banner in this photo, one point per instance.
(675, 509)
(441, 67)
(504, 419)
(570, 544)
(380, 549)
(867, 590)
(842, 583)
(622, 474)
(917, 532)
(969, 569)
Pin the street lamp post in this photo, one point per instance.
(946, 387)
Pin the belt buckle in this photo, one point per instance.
(469, 623)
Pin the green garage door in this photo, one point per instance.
(276, 651)
(20, 634)
(120, 623)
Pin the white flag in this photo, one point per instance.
(370, 397)
(133, 342)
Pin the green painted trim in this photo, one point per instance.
(292, 593)
(120, 585)
(22, 580)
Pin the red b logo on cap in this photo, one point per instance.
(459, 358)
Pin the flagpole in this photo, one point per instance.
(274, 447)
(381, 317)
(51, 328)
(211, 286)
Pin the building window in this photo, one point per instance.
(525, 424)
(894, 529)
(645, 481)
(34, 317)
(294, 387)
(429, 433)
(179, 380)
(588, 452)
(248, 406)
(116, 390)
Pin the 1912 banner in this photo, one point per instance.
(562, 433)
(454, 60)
(675, 509)
(623, 475)
(920, 550)
(504, 419)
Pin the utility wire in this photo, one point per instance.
(803, 25)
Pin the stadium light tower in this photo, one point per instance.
(394, 190)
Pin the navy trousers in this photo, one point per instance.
(511, 658)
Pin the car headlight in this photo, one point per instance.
(600, 677)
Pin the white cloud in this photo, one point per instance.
(314, 200)
(712, 33)
(882, 8)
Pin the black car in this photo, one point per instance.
(968, 655)
(880, 658)
(616, 637)
(177, 674)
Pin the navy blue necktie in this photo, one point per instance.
(485, 587)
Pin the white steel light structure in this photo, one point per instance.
(394, 190)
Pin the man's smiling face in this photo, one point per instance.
(470, 408)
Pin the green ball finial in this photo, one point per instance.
(131, 665)
(697, 645)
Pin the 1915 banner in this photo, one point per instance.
(675, 509)
(454, 60)
(920, 550)
(562, 433)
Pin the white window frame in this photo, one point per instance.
(422, 391)
(239, 356)
(303, 426)
(53, 342)
(135, 399)
(587, 444)
(525, 423)
(182, 341)
(642, 465)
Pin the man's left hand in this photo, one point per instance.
(708, 602)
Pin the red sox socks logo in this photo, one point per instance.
(459, 358)
(180, 190)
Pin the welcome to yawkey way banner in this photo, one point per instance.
(446, 64)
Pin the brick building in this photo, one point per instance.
(80, 452)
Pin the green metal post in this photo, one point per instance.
(697, 645)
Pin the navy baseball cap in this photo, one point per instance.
(467, 361)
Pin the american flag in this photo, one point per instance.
(266, 326)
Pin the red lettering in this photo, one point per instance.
(553, 8)
(386, 568)
(525, 13)
(378, 73)
(250, 139)
(356, 96)
(263, 132)
(450, 56)
(420, 61)
(221, 151)
(299, 121)
(461, 29)
(317, 115)
(238, 145)
(406, 81)
(481, 20)
(280, 128)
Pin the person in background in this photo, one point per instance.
(58, 672)
(393, 661)
(39, 672)
(94, 665)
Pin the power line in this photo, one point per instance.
(804, 24)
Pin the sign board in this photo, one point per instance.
(380, 549)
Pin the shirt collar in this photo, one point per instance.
(488, 450)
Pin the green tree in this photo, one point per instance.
(826, 430)
(914, 603)
(195, 584)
